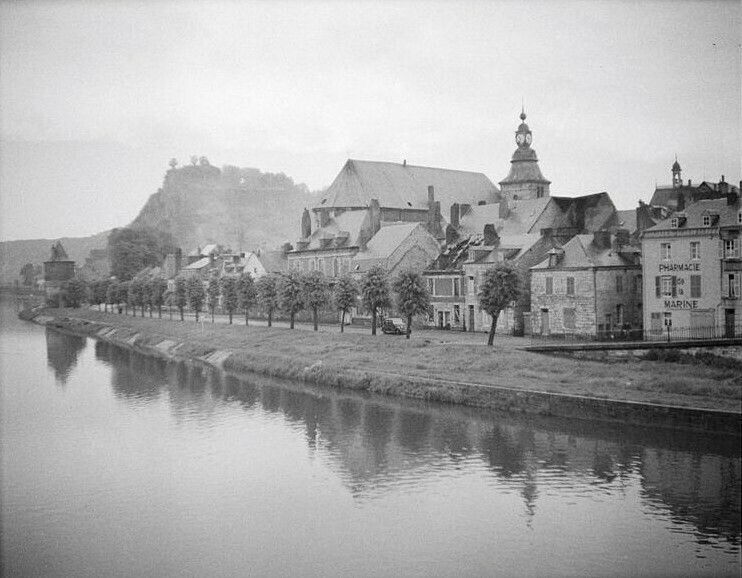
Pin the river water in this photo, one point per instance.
(116, 464)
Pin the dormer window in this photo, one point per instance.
(674, 223)
(706, 220)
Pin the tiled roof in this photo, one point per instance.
(386, 240)
(582, 252)
(349, 221)
(196, 265)
(694, 215)
(627, 220)
(274, 261)
(404, 186)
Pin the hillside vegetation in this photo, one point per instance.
(240, 208)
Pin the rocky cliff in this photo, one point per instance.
(239, 208)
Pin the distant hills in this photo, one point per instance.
(242, 208)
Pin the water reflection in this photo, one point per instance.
(62, 353)
(378, 445)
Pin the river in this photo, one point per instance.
(116, 464)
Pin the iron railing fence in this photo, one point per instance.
(666, 334)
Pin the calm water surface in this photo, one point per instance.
(115, 464)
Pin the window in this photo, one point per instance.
(739, 218)
(456, 314)
(695, 285)
(637, 284)
(665, 251)
(456, 287)
(549, 285)
(608, 321)
(730, 285)
(568, 316)
(431, 286)
(619, 315)
(669, 286)
(619, 283)
(570, 285)
(731, 248)
(706, 220)
(674, 223)
(470, 285)
(695, 250)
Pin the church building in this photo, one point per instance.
(524, 181)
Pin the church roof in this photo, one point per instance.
(404, 186)
(524, 168)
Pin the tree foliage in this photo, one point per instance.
(230, 296)
(412, 296)
(213, 292)
(136, 296)
(74, 292)
(27, 274)
(196, 294)
(316, 293)
(180, 294)
(375, 292)
(267, 287)
(291, 294)
(131, 250)
(345, 295)
(157, 289)
(112, 294)
(502, 285)
(247, 294)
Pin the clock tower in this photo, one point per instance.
(524, 181)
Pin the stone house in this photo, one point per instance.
(693, 270)
(57, 270)
(591, 286)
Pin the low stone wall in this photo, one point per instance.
(495, 397)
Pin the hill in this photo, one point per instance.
(15, 254)
(242, 208)
(238, 207)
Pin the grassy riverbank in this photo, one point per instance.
(391, 364)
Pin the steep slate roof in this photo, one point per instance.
(524, 168)
(522, 216)
(386, 240)
(200, 264)
(274, 261)
(402, 186)
(350, 221)
(587, 212)
(581, 252)
(695, 212)
(627, 220)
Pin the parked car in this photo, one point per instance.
(394, 326)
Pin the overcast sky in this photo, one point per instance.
(96, 97)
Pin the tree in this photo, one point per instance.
(168, 298)
(112, 294)
(501, 286)
(212, 294)
(412, 296)
(316, 293)
(247, 294)
(345, 295)
(158, 287)
(123, 296)
(375, 292)
(194, 160)
(74, 292)
(230, 296)
(173, 163)
(267, 287)
(291, 294)
(196, 294)
(135, 297)
(28, 274)
(131, 250)
(180, 297)
(147, 297)
(101, 289)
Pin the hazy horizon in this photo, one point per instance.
(95, 98)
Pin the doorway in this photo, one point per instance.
(544, 322)
(729, 323)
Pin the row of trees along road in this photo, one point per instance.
(290, 293)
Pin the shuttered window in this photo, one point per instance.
(695, 285)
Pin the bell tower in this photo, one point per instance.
(677, 181)
(524, 181)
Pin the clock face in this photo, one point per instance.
(528, 138)
(520, 138)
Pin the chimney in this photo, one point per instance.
(602, 239)
(374, 211)
(731, 198)
(689, 183)
(681, 202)
(306, 225)
(723, 186)
(454, 217)
(431, 195)
(452, 235)
(286, 247)
(490, 235)
(622, 237)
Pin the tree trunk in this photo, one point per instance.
(491, 337)
(342, 320)
(230, 318)
(143, 309)
(150, 312)
(197, 315)
(212, 315)
(409, 324)
(314, 315)
(246, 317)
(373, 321)
(159, 312)
(270, 318)
(291, 324)
(181, 314)
(133, 311)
